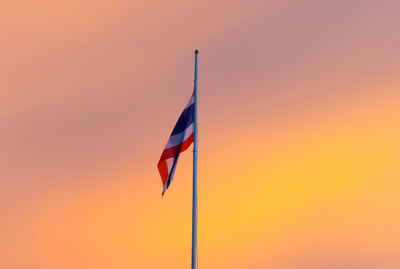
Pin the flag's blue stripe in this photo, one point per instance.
(186, 118)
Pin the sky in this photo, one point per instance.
(299, 133)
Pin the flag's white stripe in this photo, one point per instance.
(170, 162)
(171, 171)
(177, 139)
(191, 101)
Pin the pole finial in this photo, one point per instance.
(196, 51)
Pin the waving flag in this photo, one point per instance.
(181, 137)
(184, 133)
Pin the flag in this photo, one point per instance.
(181, 138)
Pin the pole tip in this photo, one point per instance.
(196, 51)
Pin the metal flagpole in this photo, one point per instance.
(194, 210)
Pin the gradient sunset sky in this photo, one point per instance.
(299, 133)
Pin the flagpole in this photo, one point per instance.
(195, 149)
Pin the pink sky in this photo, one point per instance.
(299, 133)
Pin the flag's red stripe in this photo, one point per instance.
(163, 169)
(174, 151)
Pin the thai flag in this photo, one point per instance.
(180, 139)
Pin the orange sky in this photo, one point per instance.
(299, 134)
